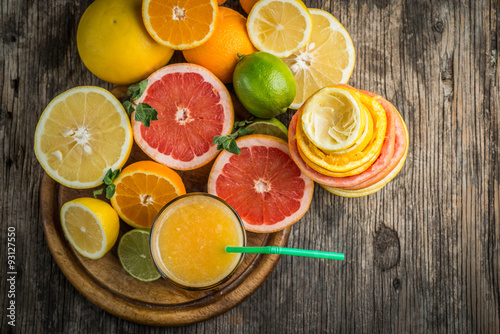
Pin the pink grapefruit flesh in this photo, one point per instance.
(193, 106)
(263, 184)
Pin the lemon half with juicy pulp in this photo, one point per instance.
(81, 134)
(353, 163)
(279, 27)
(333, 120)
(90, 225)
(327, 59)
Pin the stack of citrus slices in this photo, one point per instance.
(351, 142)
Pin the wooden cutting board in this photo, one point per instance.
(105, 283)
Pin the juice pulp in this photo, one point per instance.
(189, 238)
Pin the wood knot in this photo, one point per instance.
(396, 283)
(386, 248)
(438, 27)
(10, 37)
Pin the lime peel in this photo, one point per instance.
(134, 255)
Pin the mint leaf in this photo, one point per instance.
(111, 176)
(241, 124)
(129, 107)
(136, 90)
(233, 147)
(145, 113)
(244, 132)
(98, 192)
(110, 191)
(227, 143)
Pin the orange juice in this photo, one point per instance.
(189, 237)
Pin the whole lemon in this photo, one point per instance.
(264, 84)
(219, 53)
(114, 44)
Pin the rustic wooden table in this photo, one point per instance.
(423, 254)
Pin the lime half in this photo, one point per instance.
(133, 252)
(271, 127)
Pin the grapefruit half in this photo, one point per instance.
(263, 184)
(193, 106)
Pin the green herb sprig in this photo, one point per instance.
(108, 180)
(228, 142)
(144, 112)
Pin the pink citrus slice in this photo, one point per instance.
(193, 107)
(262, 184)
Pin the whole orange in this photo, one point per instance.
(219, 54)
(247, 5)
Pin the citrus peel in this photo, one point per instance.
(344, 163)
(380, 164)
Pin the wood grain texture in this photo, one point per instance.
(436, 61)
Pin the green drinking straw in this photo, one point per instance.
(286, 251)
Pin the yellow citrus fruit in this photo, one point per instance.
(180, 24)
(355, 171)
(247, 5)
(90, 225)
(142, 189)
(374, 187)
(327, 59)
(365, 138)
(346, 162)
(219, 53)
(279, 27)
(333, 120)
(114, 44)
(82, 134)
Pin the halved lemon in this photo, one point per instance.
(357, 162)
(364, 140)
(333, 119)
(279, 27)
(327, 59)
(81, 134)
(90, 225)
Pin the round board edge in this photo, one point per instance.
(140, 312)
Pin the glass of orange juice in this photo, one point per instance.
(188, 240)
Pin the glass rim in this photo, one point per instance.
(187, 287)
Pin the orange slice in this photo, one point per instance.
(142, 189)
(379, 184)
(180, 24)
(344, 163)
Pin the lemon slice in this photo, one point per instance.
(376, 186)
(365, 138)
(279, 27)
(90, 225)
(327, 59)
(342, 163)
(332, 119)
(81, 134)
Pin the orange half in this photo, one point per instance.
(180, 24)
(142, 189)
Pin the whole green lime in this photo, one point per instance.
(264, 84)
